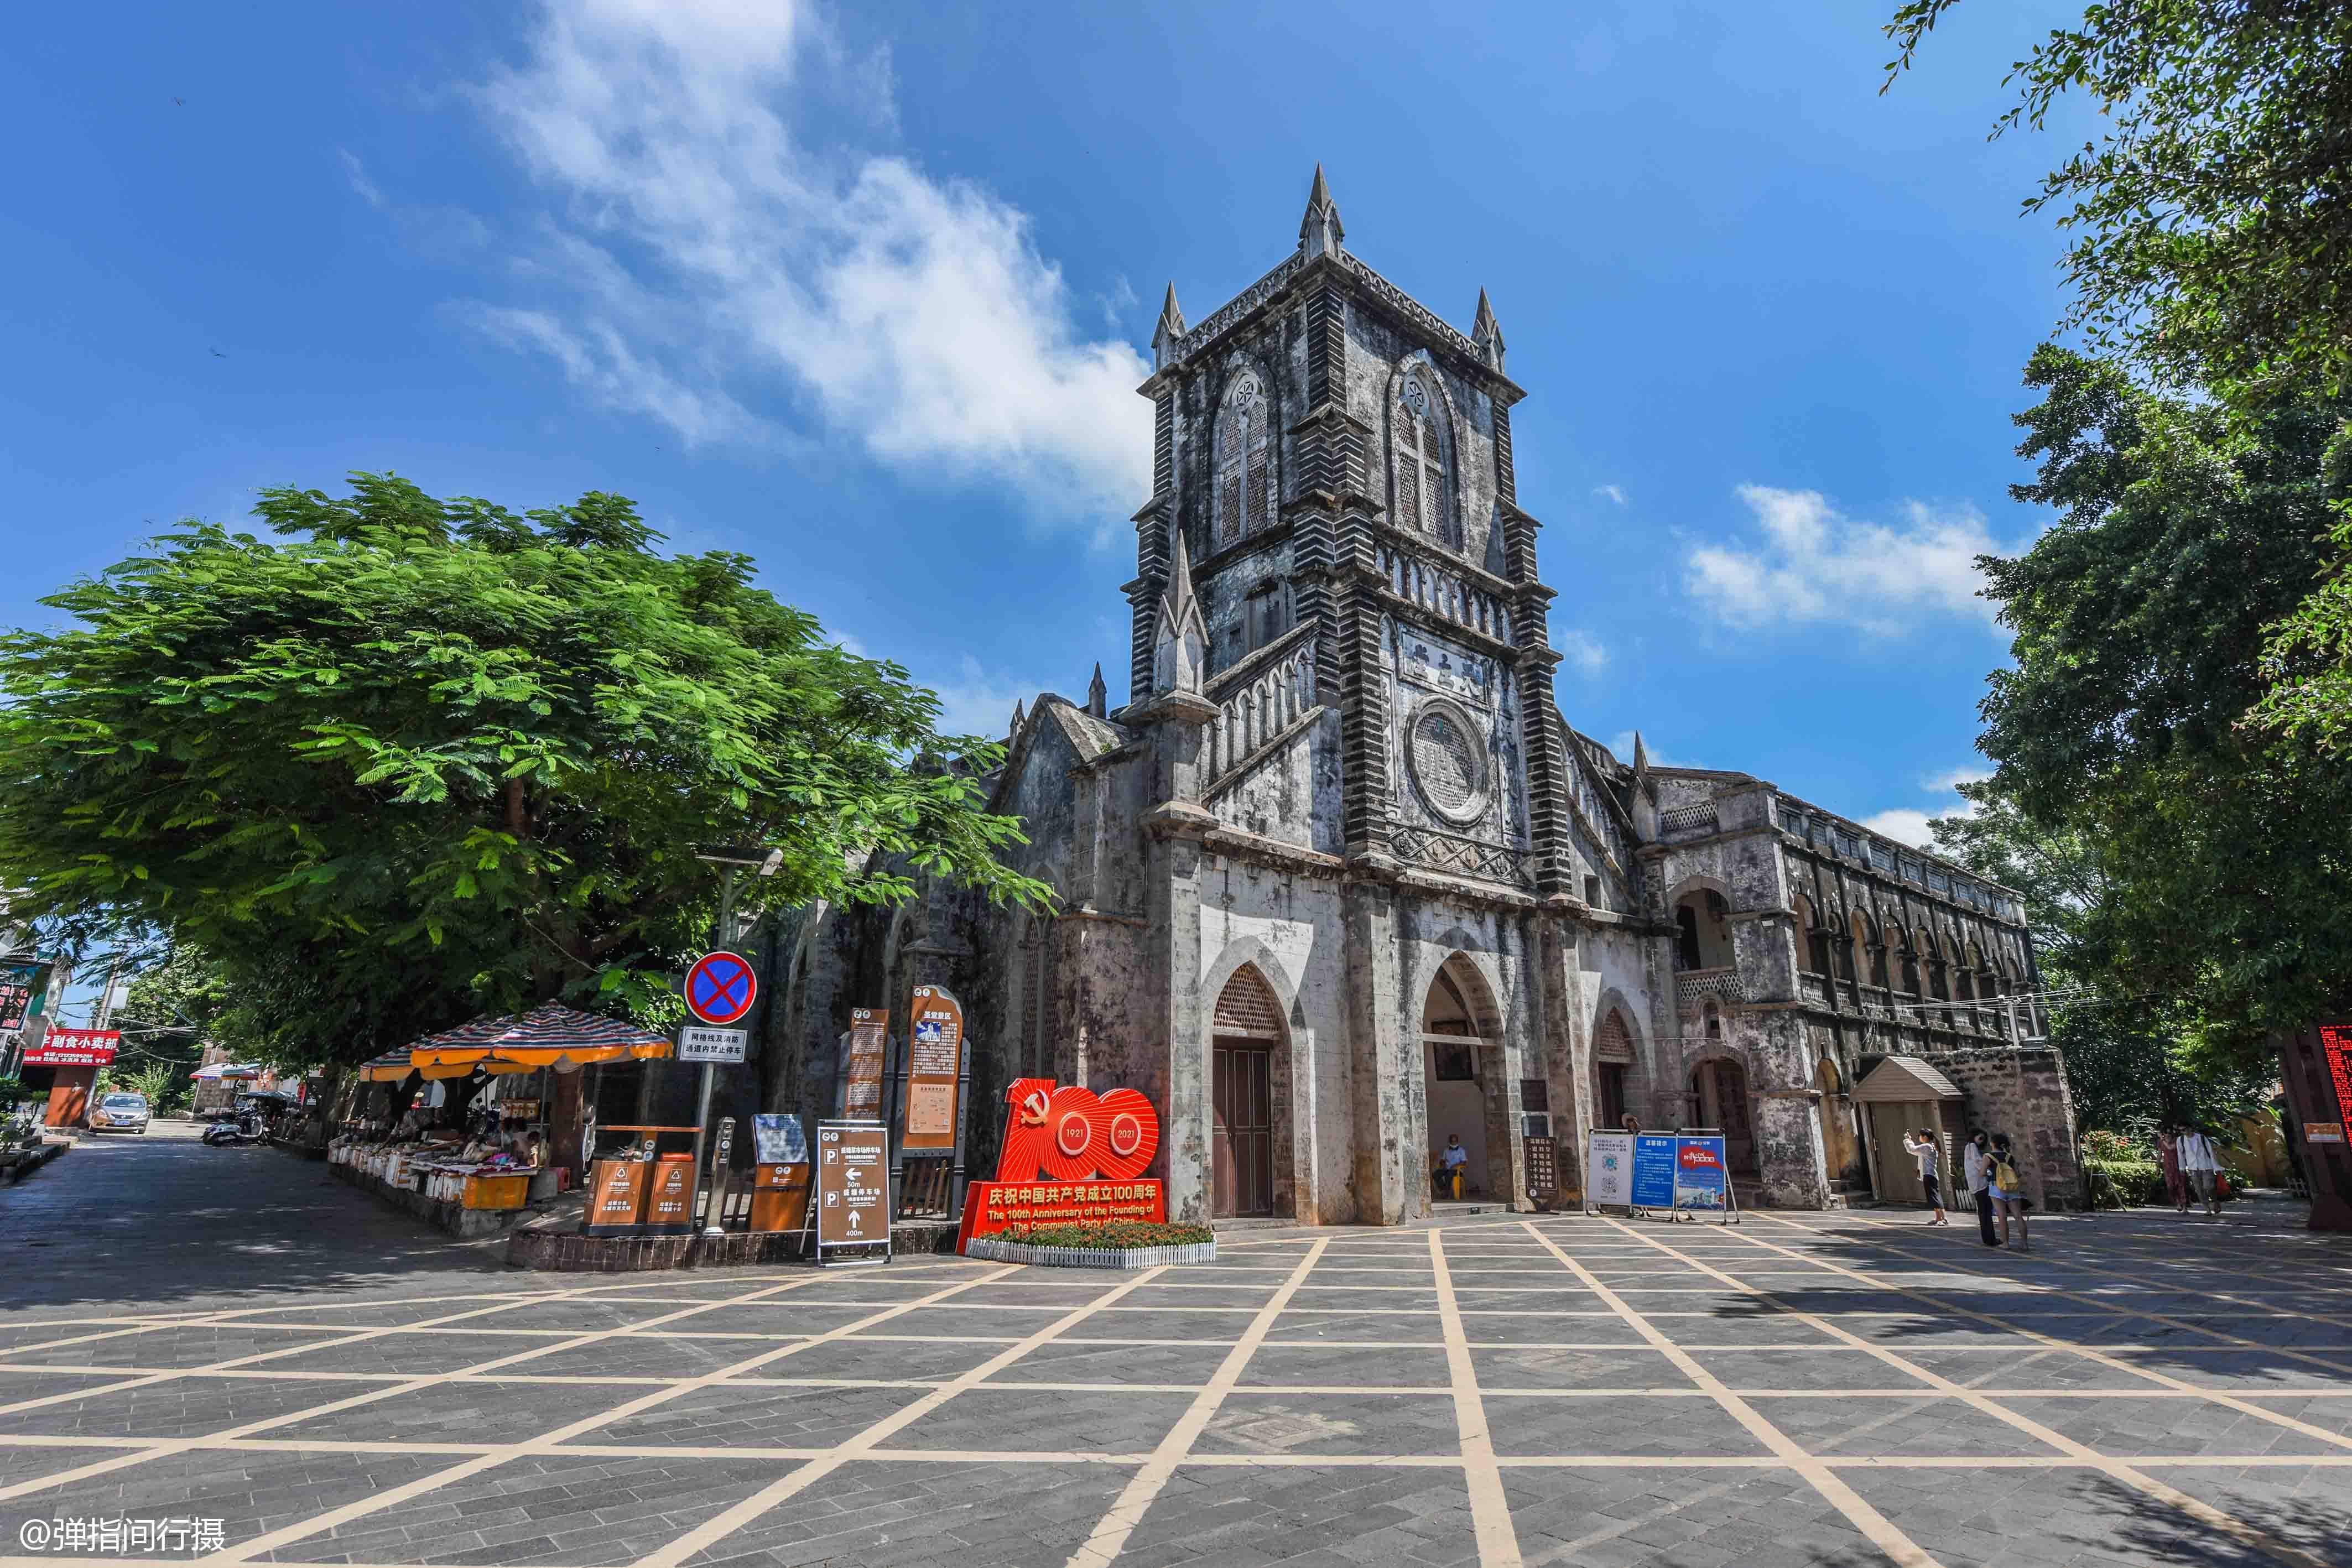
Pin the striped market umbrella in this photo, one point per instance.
(390, 1067)
(544, 1037)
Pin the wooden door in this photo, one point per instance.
(1732, 1115)
(1242, 1163)
(1897, 1172)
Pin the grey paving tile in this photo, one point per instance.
(733, 1417)
(548, 1509)
(2126, 1427)
(995, 1419)
(1090, 1361)
(180, 1407)
(1326, 1365)
(1249, 1423)
(1629, 1368)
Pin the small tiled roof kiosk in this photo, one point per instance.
(1898, 1096)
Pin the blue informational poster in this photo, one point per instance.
(1654, 1170)
(780, 1140)
(1702, 1184)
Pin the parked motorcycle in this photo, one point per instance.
(244, 1127)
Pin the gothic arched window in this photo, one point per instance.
(1419, 437)
(1244, 499)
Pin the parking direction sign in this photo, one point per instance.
(721, 988)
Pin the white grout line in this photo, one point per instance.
(1874, 1526)
(722, 1525)
(2106, 1306)
(1490, 1508)
(2196, 1508)
(1110, 1533)
(514, 1451)
(2089, 1353)
(39, 1483)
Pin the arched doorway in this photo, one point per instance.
(1246, 1038)
(1841, 1148)
(1461, 1068)
(1718, 1098)
(1612, 1071)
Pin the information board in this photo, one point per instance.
(695, 1043)
(1654, 1170)
(934, 1058)
(852, 1186)
(861, 1078)
(779, 1141)
(2336, 1044)
(1543, 1166)
(1702, 1184)
(1609, 1170)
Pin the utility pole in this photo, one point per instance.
(764, 861)
(105, 1008)
(726, 943)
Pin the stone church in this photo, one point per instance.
(1340, 882)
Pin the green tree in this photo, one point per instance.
(2211, 215)
(422, 756)
(2131, 1062)
(2183, 531)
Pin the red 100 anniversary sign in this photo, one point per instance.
(1071, 1156)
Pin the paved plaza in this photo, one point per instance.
(229, 1336)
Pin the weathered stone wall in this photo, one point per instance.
(1427, 672)
(1293, 797)
(2024, 1092)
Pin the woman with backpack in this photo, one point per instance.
(2008, 1189)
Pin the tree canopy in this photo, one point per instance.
(2208, 851)
(418, 757)
(2211, 216)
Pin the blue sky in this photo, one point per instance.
(864, 293)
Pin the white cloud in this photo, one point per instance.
(1583, 650)
(1815, 564)
(1910, 824)
(1903, 823)
(694, 239)
(445, 233)
(1615, 493)
(1951, 778)
(979, 701)
(598, 358)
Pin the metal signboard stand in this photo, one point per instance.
(850, 1208)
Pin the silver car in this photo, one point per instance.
(120, 1111)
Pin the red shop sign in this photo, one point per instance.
(75, 1048)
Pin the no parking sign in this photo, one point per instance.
(721, 988)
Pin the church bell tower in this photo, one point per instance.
(1336, 460)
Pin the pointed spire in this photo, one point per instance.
(1486, 333)
(1017, 717)
(1178, 596)
(1320, 232)
(1098, 694)
(1641, 755)
(1180, 641)
(1170, 328)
